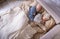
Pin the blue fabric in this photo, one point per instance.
(32, 12)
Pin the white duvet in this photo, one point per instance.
(11, 23)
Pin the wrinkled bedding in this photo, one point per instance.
(12, 18)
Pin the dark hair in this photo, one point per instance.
(2, 1)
